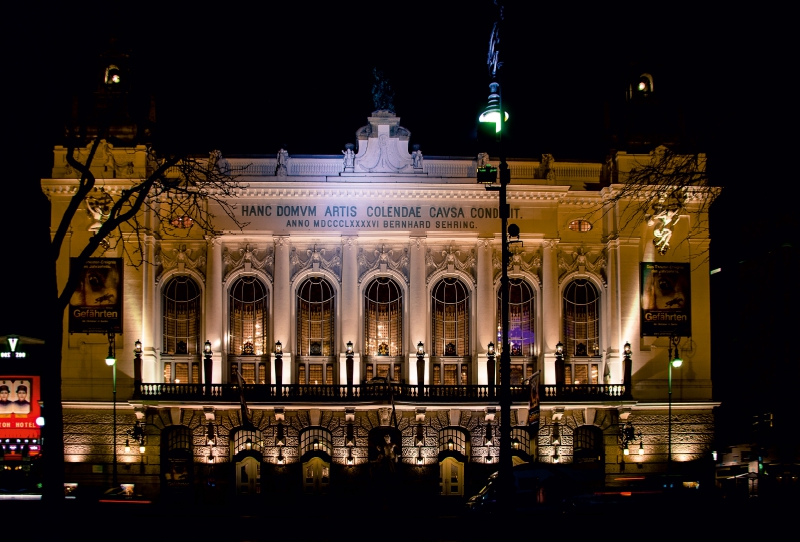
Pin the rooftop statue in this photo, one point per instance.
(382, 93)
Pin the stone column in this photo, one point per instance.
(629, 303)
(350, 305)
(214, 306)
(551, 310)
(485, 307)
(282, 306)
(149, 317)
(417, 308)
(350, 298)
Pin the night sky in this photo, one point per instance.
(247, 80)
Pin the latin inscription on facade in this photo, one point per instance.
(277, 217)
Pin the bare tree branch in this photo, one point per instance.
(177, 193)
(659, 191)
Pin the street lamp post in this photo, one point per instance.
(137, 368)
(494, 114)
(490, 368)
(208, 366)
(627, 379)
(278, 369)
(349, 368)
(420, 370)
(676, 362)
(112, 362)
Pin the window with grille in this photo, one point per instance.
(581, 319)
(588, 444)
(309, 372)
(181, 308)
(315, 318)
(316, 439)
(248, 317)
(252, 373)
(521, 318)
(581, 332)
(178, 438)
(383, 318)
(453, 439)
(246, 440)
(450, 318)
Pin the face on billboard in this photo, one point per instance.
(98, 286)
(665, 290)
(666, 299)
(96, 304)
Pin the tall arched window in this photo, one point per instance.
(247, 339)
(316, 318)
(383, 329)
(521, 328)
(582, 332)
(181, 307)
(450, 332)
(248, 312)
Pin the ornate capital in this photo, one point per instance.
(550, 243)
(349, 241)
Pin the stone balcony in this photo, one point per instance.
(373, 393)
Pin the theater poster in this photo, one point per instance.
(19, 408)
(666, 299)
(96, 305)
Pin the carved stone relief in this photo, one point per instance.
(316, 258)
(181, 258)
(578, 261)
(248, 258)
(383, 259)
(448, 260)
(519, 262)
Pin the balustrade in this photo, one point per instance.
(375, 391)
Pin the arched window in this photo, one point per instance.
(383, 329)
(180, 330)
(521, 328)
(316, 318)
(450, 332)
(249, 309)
(246, 448)
(581, 332)
(248, 317)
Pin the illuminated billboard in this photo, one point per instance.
(19, 408)
(96, 305)
(666, 299)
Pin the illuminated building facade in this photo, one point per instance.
(358, 304)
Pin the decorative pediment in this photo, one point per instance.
(181, 259)
(448, 260)
(519, 262)
(248, 259)
(580, 262)
(383, 259)
(315, 259)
